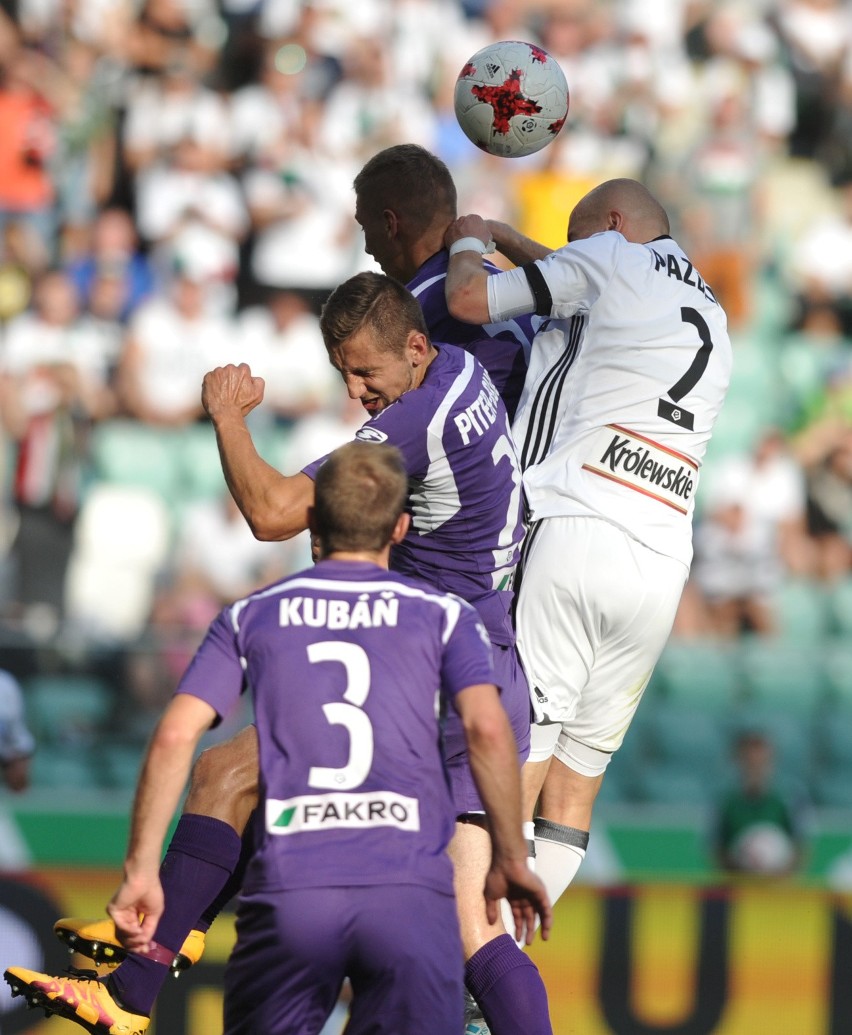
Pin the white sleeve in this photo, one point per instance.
(577, 273)
(569, 280)
(509, 294)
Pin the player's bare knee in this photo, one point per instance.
(224, 780)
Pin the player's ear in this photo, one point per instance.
(400, 528)
(615, 220)
(316, 542)
(418, 347)
(391, 222)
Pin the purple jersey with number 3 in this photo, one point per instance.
(345, 662)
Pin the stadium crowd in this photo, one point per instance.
(176, 193)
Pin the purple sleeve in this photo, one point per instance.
(402, 425)
(467, 657)
(311, 469)
(215, 673)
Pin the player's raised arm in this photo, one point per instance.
(494, 763)
(470, 290)
(467, 238)
(274, 505)
(513, 244)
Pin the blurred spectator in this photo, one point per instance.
(760, 829)
(16, 741)
(27, 143)
(370, 108)
(172, 341)
(810, 356)
(313, 437)
(720, 205)
(285, 97)
(828, 453)
(112, 255)
(821, 261)
(84, 162)
(816, 34)
(174, 106)
(281, 341)
(302, 214)
(173, 32)
(192, 213)
(218, 560)
(265, 109)
(428, 35)
(16, 272)
(54, 333)
(730, 574)
(54, 380)
(751, 533)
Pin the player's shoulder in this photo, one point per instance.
(449, 364)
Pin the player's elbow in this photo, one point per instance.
(276, 517)
(488, 730)
(466, 302)
(266, 525)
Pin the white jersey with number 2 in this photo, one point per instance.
(624, 385)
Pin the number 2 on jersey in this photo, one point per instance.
(506, 541)
(346, 713)
(677, 414)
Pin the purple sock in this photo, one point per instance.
(508, 987)
(200, 859)
(232, 885)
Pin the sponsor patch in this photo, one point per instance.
(368, 434)
(312, 812)
(643, 465)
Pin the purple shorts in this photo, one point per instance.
(398, 944)
(515, 696)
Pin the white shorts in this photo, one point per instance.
(594, 611)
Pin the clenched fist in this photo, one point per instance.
(231, 389)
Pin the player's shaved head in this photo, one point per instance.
(410, 180)
(361, 491)
(621, 204)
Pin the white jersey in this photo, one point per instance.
(624, 385)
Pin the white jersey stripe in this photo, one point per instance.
(492, 330)
(449, 603)
(429, 511)
(544, 413)
(420, 288)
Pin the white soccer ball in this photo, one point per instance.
(764, 848)
(511, 99)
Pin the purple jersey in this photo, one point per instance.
(463, 485)
(502, 348)
(345, 662)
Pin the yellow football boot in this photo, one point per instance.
(96, 940)
(84, 1000)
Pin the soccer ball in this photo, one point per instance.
(764, 848)
(511, 99)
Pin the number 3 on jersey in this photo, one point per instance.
(677, 414)
(346, 713)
